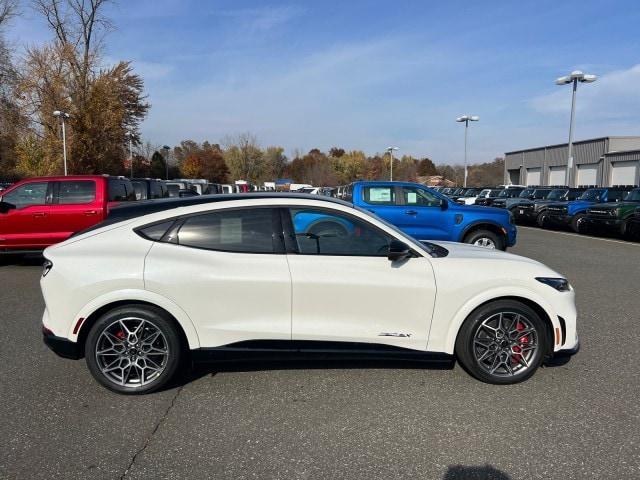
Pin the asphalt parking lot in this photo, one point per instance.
(327, 419)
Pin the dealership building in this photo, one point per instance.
(600, 161)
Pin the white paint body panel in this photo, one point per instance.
(220, 298)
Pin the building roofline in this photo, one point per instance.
(575, 143)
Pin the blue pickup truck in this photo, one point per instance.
(425, 214)
(573, 213)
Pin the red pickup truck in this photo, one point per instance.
(38, 212)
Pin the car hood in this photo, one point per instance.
(467, 251)
(613, 205)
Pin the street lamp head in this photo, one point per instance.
(389, 149)
(463, 118)
(60, 113)
(577, 75)
(563, 80)
(474, 118)
(589, 78)
(166, 147)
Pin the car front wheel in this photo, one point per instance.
(486, 239)
(503, 342)
(133, 349)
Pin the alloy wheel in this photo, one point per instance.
(132, 352)
(485, 242)
(505, 344)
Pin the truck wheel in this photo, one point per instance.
(541, 219)
(578, 223)
(485, 238)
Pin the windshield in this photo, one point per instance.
(557, 194)
(495, 193)
(471, 193)
(591, 195)
(540, 194)
(526, 193)
(633, 196)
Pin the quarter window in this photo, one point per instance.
(28, 194)
(241, 230)
(384, 195)
(419, 197)
(76, 191)
(322, 232)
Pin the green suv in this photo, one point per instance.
(614, 217)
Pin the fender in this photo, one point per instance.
(477, 223)
(448, 343)
(143, 296)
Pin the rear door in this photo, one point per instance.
(77, 204)
(422, 216)
(228, 270)
(29, 224)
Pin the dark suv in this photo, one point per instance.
(573, 214)
(614, 216)
(535, 211)
(509, 201)
(149, 188)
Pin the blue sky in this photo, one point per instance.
(366, 75)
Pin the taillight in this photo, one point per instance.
(46, 267)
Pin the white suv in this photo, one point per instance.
(169, 280)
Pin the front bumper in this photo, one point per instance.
(61, 346)
(568, 352)
(559, 219)
(603, 223)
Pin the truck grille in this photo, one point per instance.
(601, 212)
(500, 203)
(557, 210)
(527, 207)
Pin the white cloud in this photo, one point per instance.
(614, 96)
(263, 19)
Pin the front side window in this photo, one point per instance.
(76, 191)
(383, 195)
(28, 194)
(616, 195)
(557, 194)
(324, 232)
(525, 193)
(419, 197)
(247, 230)
(592, 195)
(634, 196)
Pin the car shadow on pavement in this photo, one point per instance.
(483, 472)
(31, 260)
(213, 367)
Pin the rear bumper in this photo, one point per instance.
(60, 346)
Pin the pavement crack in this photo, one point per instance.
(153, 432)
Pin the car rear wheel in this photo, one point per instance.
(133, 349)
(484, 238)
(502, 342)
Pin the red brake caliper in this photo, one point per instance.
(120, 334)
(523, 342)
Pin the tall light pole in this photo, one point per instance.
(390, 151)
(63, 116)
(130, 135)
(573, 78)
(166, 160)
(466, 119)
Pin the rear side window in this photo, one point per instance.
(76, 191)
(155, 190)
(120, 190)
(379, 195)
(140, 189)
(156, 231)
(243, 230)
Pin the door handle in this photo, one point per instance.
(90, 212)
(39, 214)
(411, 212)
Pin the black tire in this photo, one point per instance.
(541, 219)
(157, 319)
(465, 344)
(487, 235)
(577, 223)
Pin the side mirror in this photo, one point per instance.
(6, 206)
(398, 250)
(444, 204)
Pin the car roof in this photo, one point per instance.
(145, 207)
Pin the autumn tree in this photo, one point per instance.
(11, 119)
(426, 168)
(157, 168)
(275, 162)
(244, 157)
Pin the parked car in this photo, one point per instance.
(499, 315)
(487, 197)
(469, 197)
(176, 192)
(634, 223)
(40, 211)
(428, 215)
(613, 216)
(149, 188)
(535, 211)
(572, 214)
(511, 201)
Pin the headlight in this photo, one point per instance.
(560, 284)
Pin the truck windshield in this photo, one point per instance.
(633, 196)
(591, 195)
(471, 193)
(557, 194)
(526, 193)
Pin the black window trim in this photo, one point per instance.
(55, 191)
(170, 236)
(400, 197)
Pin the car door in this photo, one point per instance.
(344, 289)
(422, 214)
(227, 269)
(77, 204)
(381, 200)
(28, 225)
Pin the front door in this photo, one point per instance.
(29, 224)
(345, 289)
(422, 215)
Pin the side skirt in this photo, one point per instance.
(307, 349)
